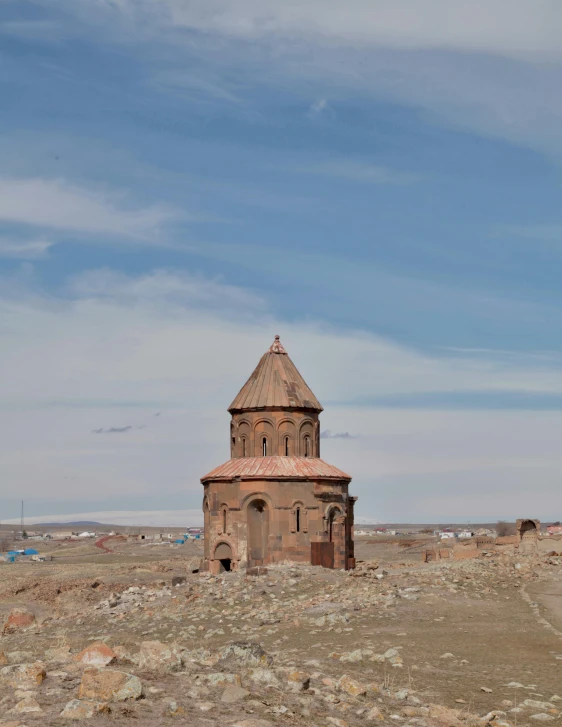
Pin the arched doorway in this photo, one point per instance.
(258, 532)
(223, 553)
(528, 530)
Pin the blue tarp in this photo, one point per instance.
(13, 552)
(181, 541)
(30, 551)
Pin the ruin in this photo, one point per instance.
(275, 499)
(528, 533)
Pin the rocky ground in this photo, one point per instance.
(128, 636)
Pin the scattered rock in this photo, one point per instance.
(96, 654)
(17, 675)
(298, 681)
(351, 686)
(28, 705)
(234, 693)
(173, 709)
(84, 709)
(108, 685)
(247, 654)
(156, 656)
(18, 620)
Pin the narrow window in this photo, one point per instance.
(286, 446)
(224, 519)
(307, 446)
(264, 446)
(243, 446)
(298, 519)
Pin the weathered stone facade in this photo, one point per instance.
(275, 499)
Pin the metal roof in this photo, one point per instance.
(276, 468)
(275, 382)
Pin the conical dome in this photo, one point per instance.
(275, 382)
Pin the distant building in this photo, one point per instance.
(554, 529)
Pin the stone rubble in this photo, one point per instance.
(193, 651)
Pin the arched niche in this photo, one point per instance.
(258, 513)
(264, 440)
(307, 439)
(287, 438)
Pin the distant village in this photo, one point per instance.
(25, 545)
(12, 543)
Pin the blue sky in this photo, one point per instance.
(180, 180)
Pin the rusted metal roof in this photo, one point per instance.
(275, 382)
(276, 468)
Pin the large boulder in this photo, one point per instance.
(156, 656)
(109, 685)
(18, 619)
(96, 654)
(352, 686)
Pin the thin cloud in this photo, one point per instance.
(351, 170)
(327, 434)
(61, 205)
(317, 108)
(24, 249)
(113, 430)
(538, 233)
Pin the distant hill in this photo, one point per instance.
(62, 525)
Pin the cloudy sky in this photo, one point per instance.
(182, 179)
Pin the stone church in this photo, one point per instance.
(275, 499)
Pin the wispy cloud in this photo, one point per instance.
(327, 434)
(470, 25)
(60, 205)
(113, 430)
(24, 249)
(352, 170)
(539, 233)
(318, 107)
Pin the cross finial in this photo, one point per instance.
(277, 346)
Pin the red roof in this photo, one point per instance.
(275, 382)
(276, 468)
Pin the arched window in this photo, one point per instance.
(243, 446)
(298, 519)
(264, 446)
(286, 446)
(307, 446)
(224, 520)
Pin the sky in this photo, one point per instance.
(180, 180)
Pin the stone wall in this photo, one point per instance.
(265, 521)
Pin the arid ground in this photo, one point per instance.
(396, 640)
